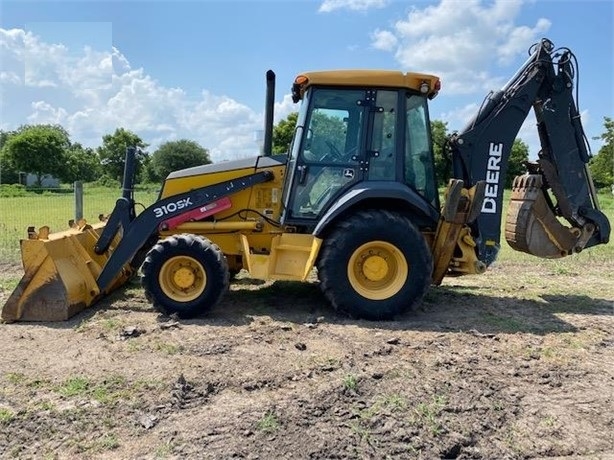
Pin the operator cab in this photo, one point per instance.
(347, 134)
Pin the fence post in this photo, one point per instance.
(78, 200)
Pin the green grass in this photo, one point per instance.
(74, 386)
(350, 382)
(394, 402)
(108, 442)
(165, 449)
(167, 348)
(268, 423)
(8, 283)
(111, 390)
(381, 407)
(16, 378)
(5, 416)
(107, 391)
(19, 379)
(17, 213)
(549, 421)
(427, 414)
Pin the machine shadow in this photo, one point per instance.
(444, 308)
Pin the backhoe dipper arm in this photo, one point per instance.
(563, 159)
(481, 151)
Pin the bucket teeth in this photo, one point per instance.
(531, 225)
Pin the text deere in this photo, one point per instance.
(493, 169)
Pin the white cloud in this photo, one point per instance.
(457, 118)
(355, 5)
(44, 113)
(10, 78)
(460, 41)
(91, 72)
(284, 108)
(518, 39)
(11, 42)
(383, 40)
(92, 92)
(40, 61)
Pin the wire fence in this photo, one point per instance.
(21, 208)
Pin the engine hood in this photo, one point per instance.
(253, 162)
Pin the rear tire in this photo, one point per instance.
(375, 265)
(185, 274)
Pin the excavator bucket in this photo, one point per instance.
(531, 225)
(60, 272)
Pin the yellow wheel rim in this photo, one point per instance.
(377, 270)
(182, 278)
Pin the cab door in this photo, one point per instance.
(331, 154)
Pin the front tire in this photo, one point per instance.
(375, 265)
(185, 274)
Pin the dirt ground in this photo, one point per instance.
(516, 363)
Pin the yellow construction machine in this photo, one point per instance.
(355, 197)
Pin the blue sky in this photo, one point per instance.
(195, 69)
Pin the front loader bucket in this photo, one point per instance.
(531, 225)
(60, 275)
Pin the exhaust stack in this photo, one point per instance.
(268, 113)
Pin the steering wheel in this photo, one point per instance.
(334, 151)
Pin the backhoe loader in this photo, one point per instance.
(355, 197)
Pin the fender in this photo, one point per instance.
(373, 190)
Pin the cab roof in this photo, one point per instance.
(362, 78)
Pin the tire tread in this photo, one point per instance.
(331, 280)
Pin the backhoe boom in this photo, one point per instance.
(481, 151)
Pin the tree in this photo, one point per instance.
(8, 173)
(81, 164)
(324, 127)
(112, 152)
(283, 132)
(326, 130)
(602, 164)
(4, 136)
(175, 155)
(443, 163)
(37, 149)
(517, 163)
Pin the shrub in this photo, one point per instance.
(12, 190)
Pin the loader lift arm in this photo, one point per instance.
(480, 152)
(124, 211)
(137, 230)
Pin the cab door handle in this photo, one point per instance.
(302, 173)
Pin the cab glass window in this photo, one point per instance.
(419, 170)
(335, 127)
(383, 139)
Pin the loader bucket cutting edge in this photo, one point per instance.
(531, 225)
(60, 274)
